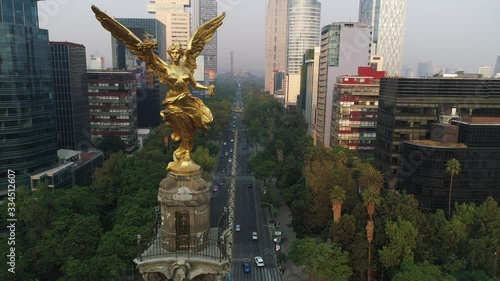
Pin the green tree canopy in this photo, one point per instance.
(402, 241)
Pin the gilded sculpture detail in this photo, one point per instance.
(183, 112)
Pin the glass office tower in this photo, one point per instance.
(69, 77)
(388, 19)
(303, 33)
(27, 125)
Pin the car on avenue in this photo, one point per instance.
(254, 236)
(246, 267)
(259, 261)
(237, 228)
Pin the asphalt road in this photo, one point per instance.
(248, 214)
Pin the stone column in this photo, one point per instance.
(184, 197)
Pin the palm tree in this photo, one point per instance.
(337, 197)
(452, 168)
(370, 229)
(370, 177)
(371, 198)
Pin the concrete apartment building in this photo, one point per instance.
(345, 46)
(113, 105)
(276, 43)
(355, 106)
(177, 21)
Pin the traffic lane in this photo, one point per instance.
(266, 245)
(218, 200)
(244, 156)
(243, 245)
(245, 211)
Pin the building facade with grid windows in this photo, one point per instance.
(69, 81)
(409, 106)
(27, 123)
(422, 165)
(113, 106)
(355, 106)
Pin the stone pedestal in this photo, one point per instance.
(185, 247)
(185, 211)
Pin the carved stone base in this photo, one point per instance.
(182, 269)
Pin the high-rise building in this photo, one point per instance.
(194, 10)
(149, 90)
(27, 123)
(387, 17)
(276, 41)
(203, 11)
(309, 96)
(355, 106)
(409, 106)
(303, 33)
(474, 143)
(69, 82)
(113, 105)
(485, 71)
(121, 56)
(345, 46)
(177, 21)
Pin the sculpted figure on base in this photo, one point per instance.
(183, 112)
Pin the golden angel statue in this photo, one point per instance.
(183, 112)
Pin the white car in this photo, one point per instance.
(254, 236)
(259, 261)
(237, 228)
(230, 160)
(232, 140)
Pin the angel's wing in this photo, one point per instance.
(197, 42)
(126, 36)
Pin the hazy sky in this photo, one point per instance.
(452, 33)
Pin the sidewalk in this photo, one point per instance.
(284, 216)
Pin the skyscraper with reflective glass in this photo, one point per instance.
(303, 33)
(27, 125)
(388, 19)
(69, 83)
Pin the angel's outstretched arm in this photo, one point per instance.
(199, 86)
(150, 57)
